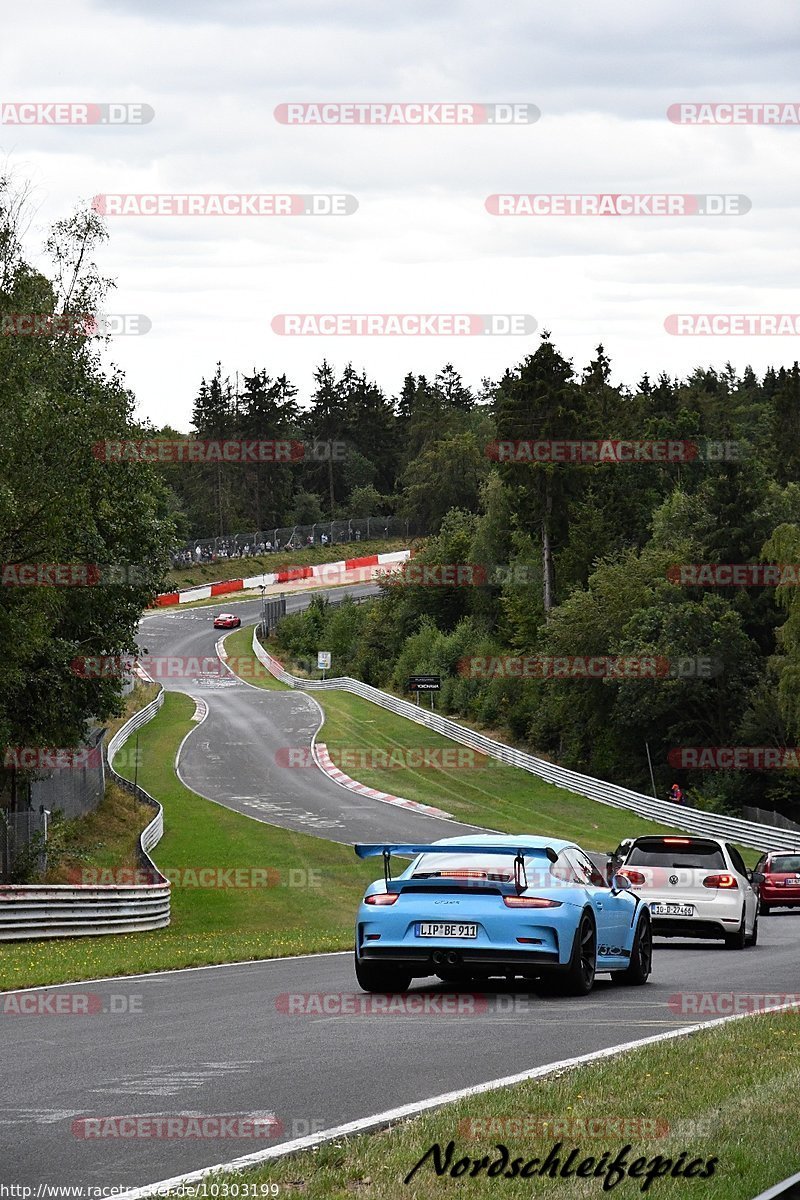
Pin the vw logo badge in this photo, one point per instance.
(673, 879)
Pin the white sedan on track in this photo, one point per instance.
(695, 887)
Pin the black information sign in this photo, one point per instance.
(425, 683)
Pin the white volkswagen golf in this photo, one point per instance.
(695, 887)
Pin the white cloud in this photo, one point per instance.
(421, 240)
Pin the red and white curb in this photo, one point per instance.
(327, 573)
(324, 763)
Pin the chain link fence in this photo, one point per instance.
(71, 792)
(770, 817)
(292, 537)
(17, 831)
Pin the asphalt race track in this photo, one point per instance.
(219, 1041)
(225, 1041)
(235, 756)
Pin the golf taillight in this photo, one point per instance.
(381, 898)
(720, 881)
(634, 876)
(530, 902)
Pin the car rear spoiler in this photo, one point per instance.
(411, 850)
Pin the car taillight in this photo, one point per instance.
(382, 898)
(634, 876)
(720, 881)
(530, 902)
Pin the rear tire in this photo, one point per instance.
(752, 939)
(765, 910)
(641, 955)
(578, 978)
(737, 940)
(374, 977)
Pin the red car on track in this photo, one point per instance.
(777, 880)
(227, 621)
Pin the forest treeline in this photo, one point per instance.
(575, 560)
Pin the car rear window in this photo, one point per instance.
(657, 852)
(496, 866)
(785, 862)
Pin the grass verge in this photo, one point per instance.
(293, 894)
(706, 1097)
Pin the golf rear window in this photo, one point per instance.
(785, 862)
(691, 852)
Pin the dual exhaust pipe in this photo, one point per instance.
(449, 958)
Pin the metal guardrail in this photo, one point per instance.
(54, 910)
(678, 816)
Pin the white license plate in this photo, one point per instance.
(672, 910)
(446, 929)
(791, 883)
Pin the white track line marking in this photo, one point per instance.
(393, 1115)
(243, 962)
(780, 1189)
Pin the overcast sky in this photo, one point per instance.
(421, 240)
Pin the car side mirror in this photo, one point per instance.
(756, 876)
(620, 883)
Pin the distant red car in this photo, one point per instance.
(227, 621)
(777, 880)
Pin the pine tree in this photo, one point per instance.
(540, 400)
(325, 422)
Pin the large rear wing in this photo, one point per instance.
(385, 850)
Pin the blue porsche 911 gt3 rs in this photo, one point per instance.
(468, 908)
